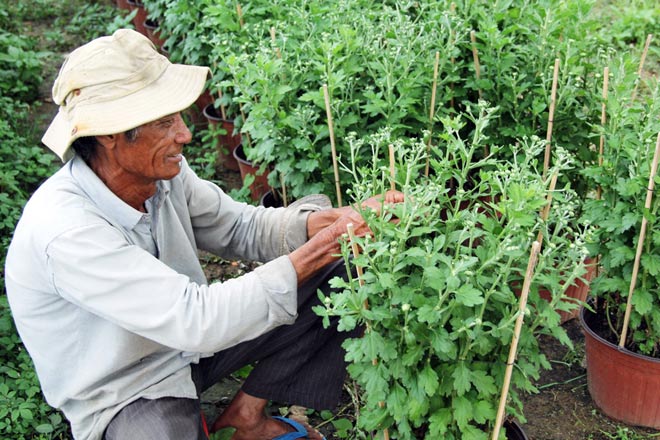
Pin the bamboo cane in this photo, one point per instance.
(392, 168)
(284, 198)
(239, 11)
(356, 253)
(272, 38)
(641, 65)
(475, 57)
(477, 71)
(551, 115)
(431, 113)
(533, 256)
(452, 39)
(603, 119)
(545, 213)
(279, 55)
(332, 143)
(223, 111)
(640, 243)
(247, 135)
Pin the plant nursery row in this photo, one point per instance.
(526, 139)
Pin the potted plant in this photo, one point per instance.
(622, 326)
(436, 300)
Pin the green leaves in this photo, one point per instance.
(439, 281)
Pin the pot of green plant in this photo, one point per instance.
(225, 140)
(622, 328)
(123, 4)
(259, 186)
(140, 16)
(625, 385)
(271, 199)
(153, 33)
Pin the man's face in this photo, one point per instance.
(155, 154)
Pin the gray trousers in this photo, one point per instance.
(300, 364)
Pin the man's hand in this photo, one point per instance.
(324, 228)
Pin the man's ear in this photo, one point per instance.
(107, 140)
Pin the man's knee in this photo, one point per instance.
(166, 418)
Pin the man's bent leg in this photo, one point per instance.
(167, 418)
(302, 363)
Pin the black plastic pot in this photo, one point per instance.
(514, 431)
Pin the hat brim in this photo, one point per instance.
(175, 90)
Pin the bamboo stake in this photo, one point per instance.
(533, 256)
(603, 119)
(551, 115)
(332, 143)
(247, 135)
(452, 39)
(272, 38)
(475, 56)
(477, 70)
(356, 253)
(640, 243)
(641, 64)
(431, 113)
(279, 55)
(392, 168)
(284, 198)
(545, 213)
(223, 111)
(239, 11)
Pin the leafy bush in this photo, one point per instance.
(439, 298)
(20, 67)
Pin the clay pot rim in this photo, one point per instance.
(623, 350)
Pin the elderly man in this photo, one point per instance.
(104, 281)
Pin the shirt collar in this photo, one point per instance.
(111, 205)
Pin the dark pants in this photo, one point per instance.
(300, 364)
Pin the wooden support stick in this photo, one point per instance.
(545, 213)
(603, 119)
(239, 11)
(533, 256)
(392, 168)
(551, 116)
(283, 185)
(475, 57)
(640, 243)
(641, 65)
(272, 38)
(247, 135)
(223, 111)
(332, 143)
(356, 252)
(432, 112)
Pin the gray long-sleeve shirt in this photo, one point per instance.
(112, 304)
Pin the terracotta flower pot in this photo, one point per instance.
(226, 142)
(575, 293)
(623, 384)
(138, 20)
(260, 185)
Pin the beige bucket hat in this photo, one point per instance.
(116, 83)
